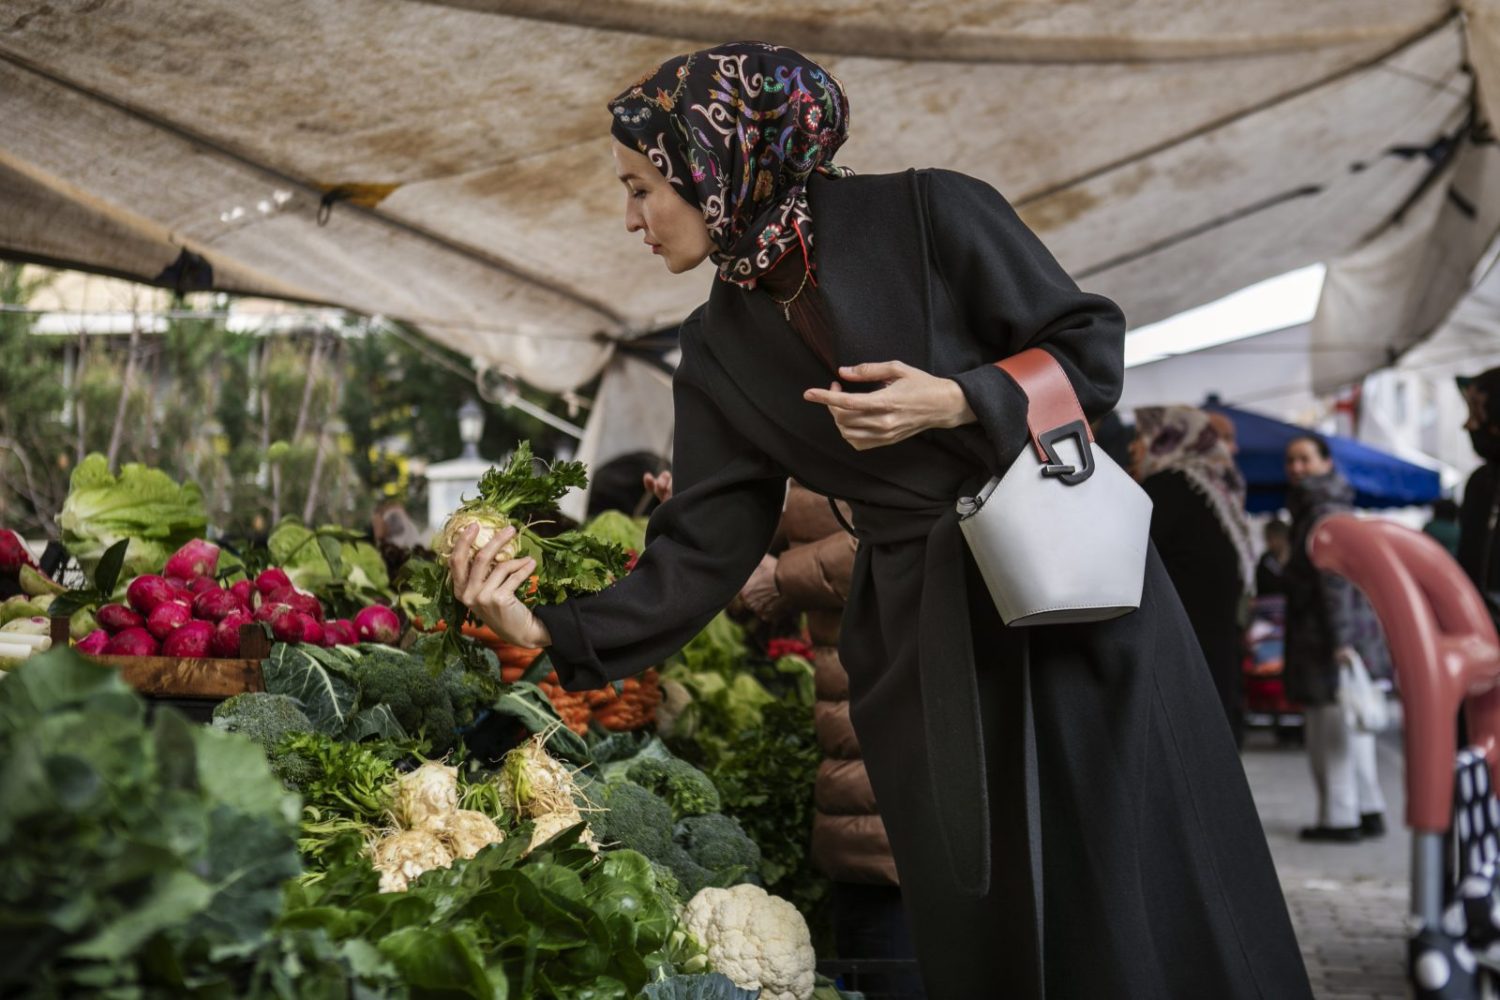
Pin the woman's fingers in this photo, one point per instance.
(845, 400)
(880, 371)
(503, 582)
(460, 559)
(483, 566)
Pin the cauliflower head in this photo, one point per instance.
(756, 939)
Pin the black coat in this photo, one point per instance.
(1064, 803)
(1478, 539)
(1324, 612)
(1204, 565)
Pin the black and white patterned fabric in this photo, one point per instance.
(1459, 959)
(1441, 967)
(1476, 815)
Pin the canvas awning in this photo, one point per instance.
(446, 162)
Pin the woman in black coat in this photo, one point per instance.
(1199, 528)
(1066, 809)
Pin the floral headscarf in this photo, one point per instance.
(738, 130)
(1183, 439)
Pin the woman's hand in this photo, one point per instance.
(911, 402)
(659, 486)
(488, 588)
(759, 592)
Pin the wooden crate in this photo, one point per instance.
(186, 679)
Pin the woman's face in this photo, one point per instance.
(672, 228)
(1303, 460)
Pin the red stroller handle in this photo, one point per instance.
(1442, 642)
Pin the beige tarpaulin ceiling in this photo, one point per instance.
(1169, 151)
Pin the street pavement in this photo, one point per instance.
(1348, 901)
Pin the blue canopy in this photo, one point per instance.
(1379, 479)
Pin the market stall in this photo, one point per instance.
(372, 803)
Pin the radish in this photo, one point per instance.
(214, 605)
(204, 585)
(93, 644)
(146, 592)
(168, 618)
(340, 632)
(305, 603)
(270, 579)
(268, 611)
(191, 640)
(131, 642)
(314, 633)
(196, 558)
(290, 625)
(226, 640)
(118, 618)
(377, 623)
(242, 590)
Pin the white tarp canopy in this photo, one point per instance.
(1169, 151)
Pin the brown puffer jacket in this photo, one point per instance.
(848, 841)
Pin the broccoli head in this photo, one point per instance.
(471, 691)
(265, 718)
(296, 769)
(719, 844)
(687, 790)
(637, 819)
(417, 699)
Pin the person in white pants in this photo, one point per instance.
(1327, 622)
(1343, 768)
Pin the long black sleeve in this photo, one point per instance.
(1014, 295)
(701, 547)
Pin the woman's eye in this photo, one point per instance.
(637, 194)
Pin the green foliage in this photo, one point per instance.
(719, 843)
(749, 727)
(264, 718)
(133, 857)
(142, 504)
(345, 572)
(765, 777)
(559, 924)
(616, 526)
(348, 778)
(322, 681)
(682, 786)
(636, 819)
(418, 699)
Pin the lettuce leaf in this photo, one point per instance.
(142, 504)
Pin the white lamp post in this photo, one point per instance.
(447, 482)
(470, 427)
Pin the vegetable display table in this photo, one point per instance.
(205, 681)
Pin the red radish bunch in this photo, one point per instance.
(186, 612)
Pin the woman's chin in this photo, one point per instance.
(676, 265)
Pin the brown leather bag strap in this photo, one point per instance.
(1051, 401)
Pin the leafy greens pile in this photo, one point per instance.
(134, 858)
(142, 504)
